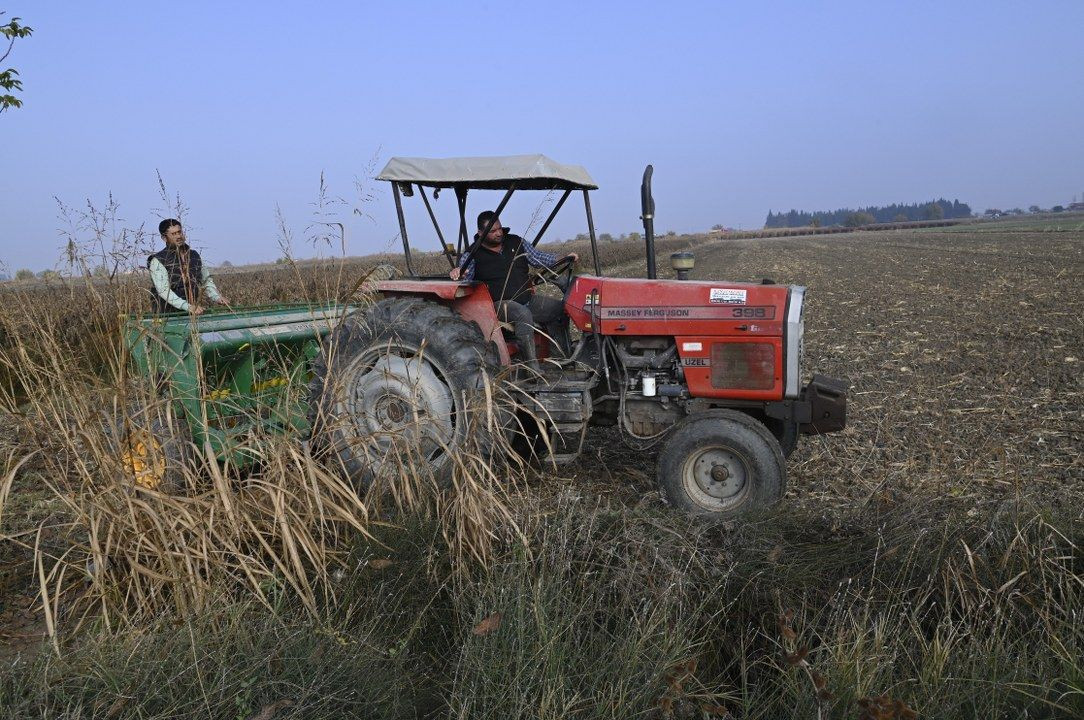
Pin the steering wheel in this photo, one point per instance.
(560, 275)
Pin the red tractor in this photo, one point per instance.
(709, 369)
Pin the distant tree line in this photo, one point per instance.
(940, 209)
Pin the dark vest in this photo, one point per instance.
(506, 273)
(185, 268)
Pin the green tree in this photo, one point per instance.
(1057, 208)
(815, 222)
(9, 79)
(858, 219)
(900, 218)
(24, 274)
(1034, 209)
(635, 237)
(606, 237)
(933, 211)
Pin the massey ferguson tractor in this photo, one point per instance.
(709, 371)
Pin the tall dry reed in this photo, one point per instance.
(117, 552)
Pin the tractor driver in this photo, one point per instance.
(180, 278)
(501, 262)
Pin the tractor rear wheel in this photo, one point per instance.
(402, 385)
(721, 463)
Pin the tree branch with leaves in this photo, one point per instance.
(9, 79)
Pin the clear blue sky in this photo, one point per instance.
(742, 108)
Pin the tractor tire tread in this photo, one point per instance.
(455, 343)
(763, 452)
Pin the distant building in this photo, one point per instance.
(1076, 207)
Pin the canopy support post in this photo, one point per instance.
(440, 235)
(464, 238)
(402, 228)
(553, 214)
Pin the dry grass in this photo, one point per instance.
(117, 554)
(929, 557)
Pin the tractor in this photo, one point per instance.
(709, 371)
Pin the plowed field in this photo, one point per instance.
(964, 350)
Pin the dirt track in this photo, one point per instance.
(964, 350)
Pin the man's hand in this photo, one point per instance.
(574, 257)
(195, 310)
(456, 273)
(222, 300)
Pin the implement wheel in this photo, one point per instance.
(154, 448)
(401, 388)
(721, 463)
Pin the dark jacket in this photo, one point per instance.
(505, 273)
(185, 268)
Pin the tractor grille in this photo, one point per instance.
(743, 366)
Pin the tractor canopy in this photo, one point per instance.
(525, 172)
(509, 173)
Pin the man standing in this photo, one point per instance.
(501, 262)
(179, 276)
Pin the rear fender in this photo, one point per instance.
(471, 301)
(443, 289)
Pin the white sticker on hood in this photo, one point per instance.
(729, 296)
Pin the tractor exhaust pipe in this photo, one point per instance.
(647, 210)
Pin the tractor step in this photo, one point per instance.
(560, 458)
(557, 380)
(560, 407)
(567, 441)
(561, 400)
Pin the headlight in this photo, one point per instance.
(794, 341)
(743, 365)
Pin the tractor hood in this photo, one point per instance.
(699, 316)
(633, 306)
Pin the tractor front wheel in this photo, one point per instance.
(721, 463)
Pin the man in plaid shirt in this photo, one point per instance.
(501, 262)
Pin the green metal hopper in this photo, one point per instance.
(237, 375)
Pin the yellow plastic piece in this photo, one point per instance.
(142, 457)
(270, 383)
